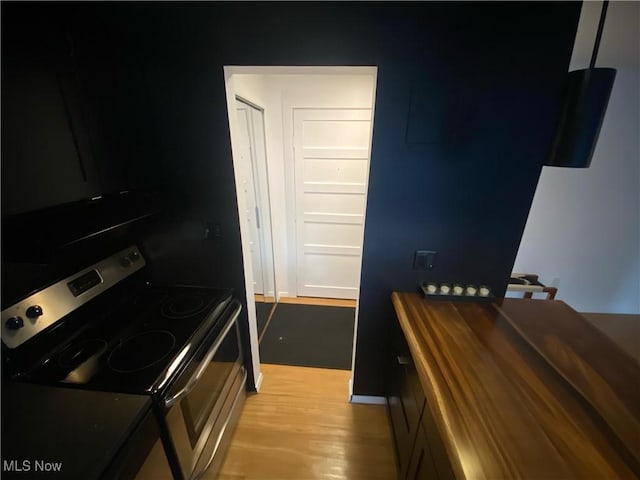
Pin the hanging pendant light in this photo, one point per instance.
(585, 100)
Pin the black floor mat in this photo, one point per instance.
(309, 336)
(262, 315)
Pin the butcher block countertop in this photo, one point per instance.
(524, 389)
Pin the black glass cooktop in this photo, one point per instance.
(138, 345)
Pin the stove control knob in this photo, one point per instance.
(134, 256)
(34, 311)
(14, 323)
(125, 262)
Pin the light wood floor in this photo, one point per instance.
(302, 427)
(330, 302)
(264, 298)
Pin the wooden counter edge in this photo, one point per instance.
(427, 381)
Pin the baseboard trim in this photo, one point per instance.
(368, 399)
(328, 302)
(259, 382)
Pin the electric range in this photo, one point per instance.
(106, 328)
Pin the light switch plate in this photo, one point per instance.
(424, 260)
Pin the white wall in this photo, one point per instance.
(583, 231)
(277, 90)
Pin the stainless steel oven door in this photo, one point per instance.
(199, 407)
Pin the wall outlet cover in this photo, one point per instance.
(424, 259)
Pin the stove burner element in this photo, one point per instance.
(141, 351)
(184, 305)
(76, 354)
(149, 298)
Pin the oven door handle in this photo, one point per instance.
(170, 400)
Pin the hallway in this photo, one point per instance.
(302, 427)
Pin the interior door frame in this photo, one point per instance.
(249, 173)
(244, 234)
(263, 200)
(229, 71)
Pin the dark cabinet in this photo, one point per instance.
(428, 459)
(46, 157)
(76, 116)
(420, 452)
(421, 465)
(405, 398)
(114, 84)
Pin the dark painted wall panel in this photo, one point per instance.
(467, 198)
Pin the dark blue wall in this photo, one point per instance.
(466, 190)
(465, 107)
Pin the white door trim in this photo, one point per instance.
(260, 178)
(251, 189)
(244, 233)
(229, 71)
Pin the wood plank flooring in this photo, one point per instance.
(263, 298)
(329, 302)
(301, 426)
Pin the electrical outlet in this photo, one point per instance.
(424, 260)
(212, 231)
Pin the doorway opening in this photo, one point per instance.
(301, 143)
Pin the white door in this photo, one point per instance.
(249, 190)
(331, 155)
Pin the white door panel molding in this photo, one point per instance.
(331, 148)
